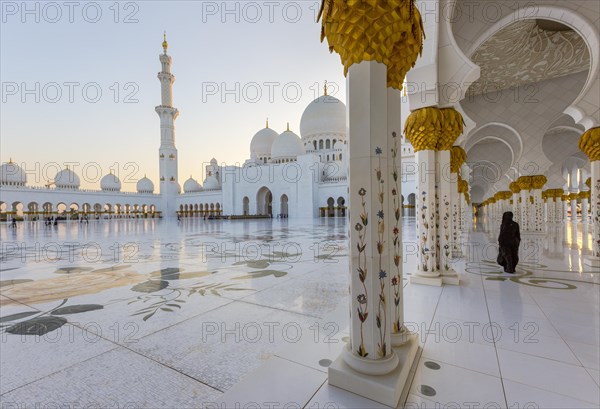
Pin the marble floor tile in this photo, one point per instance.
(118, 378)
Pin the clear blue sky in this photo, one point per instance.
(280, 45)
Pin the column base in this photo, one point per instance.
(433, 281)
(591, 261)
(387, 389)
(450, 277)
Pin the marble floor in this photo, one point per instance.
(145, 313)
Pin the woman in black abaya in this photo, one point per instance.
(509, 240)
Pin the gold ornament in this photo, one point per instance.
(387, 31)
(514, 187)
(423, 128)
(458, 156)
(452, 128)
(589, 143)
(538, 181)
(588, 183)
(525, 182)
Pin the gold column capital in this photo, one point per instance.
(514, 187)
(588, 183)
(538, 181)
(458, 156)
(423, 128)
(452, 127)
(387, 31)
(589, 143)
(525, 182)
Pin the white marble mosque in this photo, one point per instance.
(379, 286)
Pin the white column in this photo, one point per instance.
(584, 210)
(368, 364)
(394, 232)
(537, 216)
(524, 209)
(444, 209)
(594, 260)
(369, 350)
(573, 210)
(426, 217)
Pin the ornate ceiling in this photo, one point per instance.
(523, 53)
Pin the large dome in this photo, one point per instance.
(325, 115)
(12, 174)
(287, 145)
(110, 183)
(191, 186)
(145, 185)
(262, 142)
(211, 183)
(67, 179)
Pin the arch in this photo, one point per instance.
(577, 23)
(86, 207)
(97, 207)
(328, 144)
(283, 205)
(315, 144)
(264, 202)
(320, 143)
(246, 206)
(18, 208)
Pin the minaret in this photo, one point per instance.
(169, 187)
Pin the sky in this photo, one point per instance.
(79, 82)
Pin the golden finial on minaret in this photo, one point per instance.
(165, 45)
(267, 122)
(10, 161)
(288, 126)
(325, 88)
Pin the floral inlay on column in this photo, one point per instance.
(396, 238)
(381, 318)
(362, 271)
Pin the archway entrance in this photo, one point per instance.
(264, 202)
(284, 206)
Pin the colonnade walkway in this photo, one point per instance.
(203, 313)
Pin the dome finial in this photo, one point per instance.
(165, 45)
(267, 122)
(10, 161)
(325, 88)
(288, 126)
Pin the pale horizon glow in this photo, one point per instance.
(111, 134)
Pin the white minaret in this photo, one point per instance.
(169, 187)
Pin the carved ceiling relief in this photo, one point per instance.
(523, 53)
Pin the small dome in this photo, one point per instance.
(12, 174)
(287, 145)
(213, 161)
(191, 186)
(211, 183)
(262, 142)
(110, 183)
(145, 185)
(67, 179)
(325, 115)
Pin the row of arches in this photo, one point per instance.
(35, 210)
(326, 143)
(200, 210)
(338, 208)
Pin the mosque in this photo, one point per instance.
(286, 175)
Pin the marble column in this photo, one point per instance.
(537, 217)
(525, 185)
(589, 143)
(432, 132)
(573, 200)
(583, 197)
(369, 366)
(369, 350)
(457, 158)
(516, 208)
(565, 208)
(400, 334)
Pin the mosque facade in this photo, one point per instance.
(286, 175)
